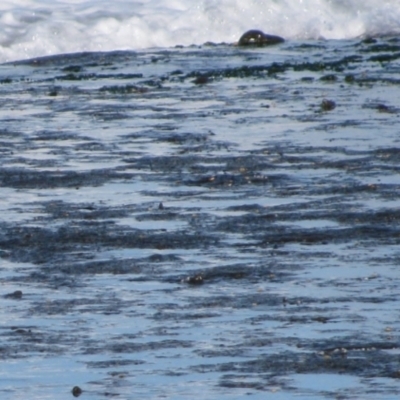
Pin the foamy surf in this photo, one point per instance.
(38, 28)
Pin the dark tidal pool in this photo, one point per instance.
(202, 223)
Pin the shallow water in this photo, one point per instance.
(228, 239)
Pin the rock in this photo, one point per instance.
(327, 105)
(76, 391)
(17, 295)
(258, 38)
(194, 280)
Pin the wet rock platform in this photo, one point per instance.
(234, 236)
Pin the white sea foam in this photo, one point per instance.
(31, 28)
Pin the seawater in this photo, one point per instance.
(124, 178)
(285, 208)
(33, 28)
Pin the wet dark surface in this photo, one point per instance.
(207, 222)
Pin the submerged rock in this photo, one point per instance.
(258, 38)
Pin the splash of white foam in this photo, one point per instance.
(31, 28)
